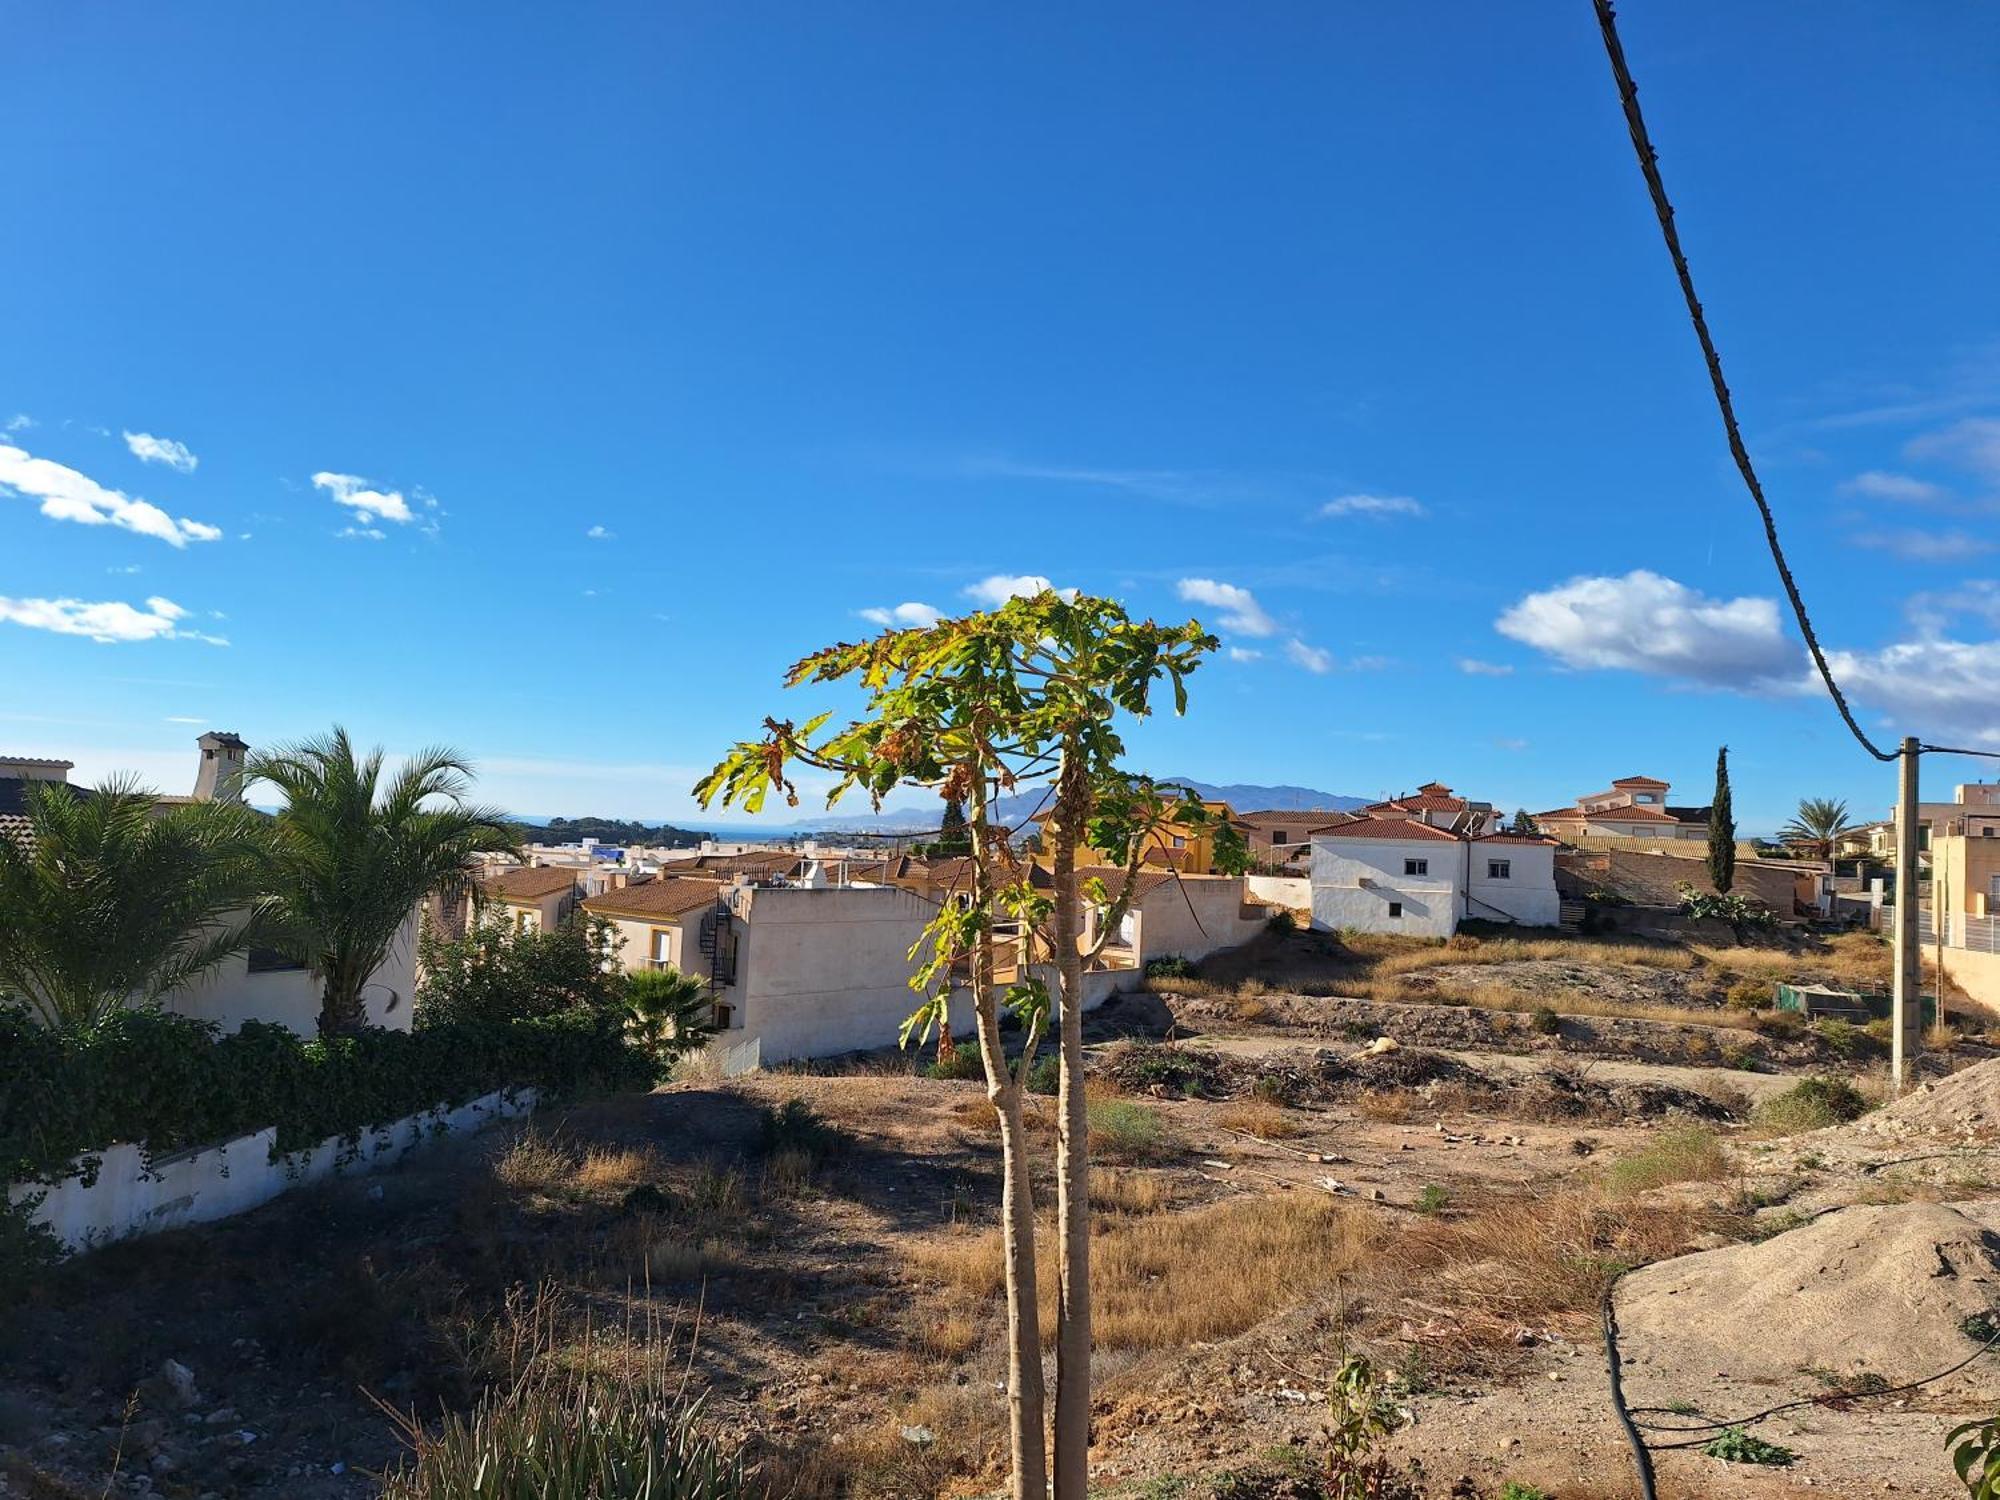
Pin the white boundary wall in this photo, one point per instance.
(217, 1182)
(1292, 891)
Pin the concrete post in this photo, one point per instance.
(1907, 1011)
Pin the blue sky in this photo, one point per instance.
(541, 380)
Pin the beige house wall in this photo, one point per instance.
(231, 994)
(1194, 917)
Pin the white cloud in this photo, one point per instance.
(1913, 545)
(1508, 742)
(1312, 658)
(1933, 687)
(1375, 506)
(600, 534)
(1643, 622)
(19, 422)
(361, 496)
(1978, 598)
(1244, 653)
(1472, 666)
(158, 450)
(1973, 444)
(184, 719)
(109, 622)
(128, 569)
(1000, 587)
(361, 534)
(67, 495)
(1905, 489)
(904, 616)
(1371, 664)
(1241, 611)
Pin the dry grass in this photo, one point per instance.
(1269, 1122)
(1684, 1153)
(1385, 1106)
(1129, 1192)
(1164, 1281)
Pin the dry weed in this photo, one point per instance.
(1269, 1122)
(1129, 1192)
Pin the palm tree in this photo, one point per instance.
(354, 853)
(668, 1014)
(109, 900)
(1819, 829)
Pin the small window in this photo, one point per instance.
(271, 961)
(1281, 835)
(1179, 842)
(1416, 867)
(1499, 869)
(1395, 910)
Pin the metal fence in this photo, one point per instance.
(1973, 934)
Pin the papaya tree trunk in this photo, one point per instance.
(1027, 1403)
(1072, 1427)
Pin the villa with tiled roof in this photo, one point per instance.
(1633, 807)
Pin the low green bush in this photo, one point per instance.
(167, 1083)
(1545, 1021)
(1170, 966)
(964, 1062)
(1122, 1130)
(1811, 1104)
(1750, 994)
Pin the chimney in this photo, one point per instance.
(220, 777)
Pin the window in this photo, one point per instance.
(1416, 867)
(1179, 842)
(1395, 910)
(1281, 835)
(271, 961)
(1499, 869)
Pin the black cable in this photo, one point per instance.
(1642, 1457)
(1628, 93)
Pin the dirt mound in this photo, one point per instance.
(1883, 1290)
(1559, 1095)
(1963, 1106)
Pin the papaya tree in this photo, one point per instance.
(972, 709)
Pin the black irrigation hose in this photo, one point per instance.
(1642, 1451)
(1642, 1456)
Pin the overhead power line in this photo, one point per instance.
(1649, 165)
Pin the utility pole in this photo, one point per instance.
(1907, 1005)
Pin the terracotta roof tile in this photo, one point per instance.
(530, 884)
(656, 898)
(1388, 828)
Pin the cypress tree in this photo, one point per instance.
(1721, 830)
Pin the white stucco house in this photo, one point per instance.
(1405, 876)
(798, 970)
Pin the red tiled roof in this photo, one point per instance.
(1628, 814)
(1428, 802)
(656, 898)
(1639, 781)
(1289, 817)
(1515, 838)
(529, 885)
(1387, 828)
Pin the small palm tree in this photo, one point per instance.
(353, 854)
(668, 1014)
(109, 900)
(1819, 828)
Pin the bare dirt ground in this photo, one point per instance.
(1268, 1201)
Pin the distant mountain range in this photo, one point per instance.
(1016, 809)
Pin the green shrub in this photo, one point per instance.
(1739, 1447)
(1843, 1037)
(1170, 966)
(1045, 1077)
(168, 1083)
(1750, 994)
(1432, 1200)
(1282, 923)
(563, 1435)
(797, 1129)
(1545, 1021)
(963, 1063)
(1124, 1130)
(1811, 1104)
(1786, 1025)
(1514, 1489)
(496, 972)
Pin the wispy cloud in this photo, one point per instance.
(109, 622)
(371, 503)
(1177, 486)
(1972, 445)
(1472, 666)
(1914, 545)
(1375, 507)
(67, 495)
(184, 719)
(908, 616)
(158, 450)
(1904, 489)
(1241, 613)
(1245, 653)
(1508, 742)
(361, 534)
(1643, 622)
(600, 533)
(19, 422)
(1312, 658)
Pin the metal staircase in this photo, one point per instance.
(717, 944)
